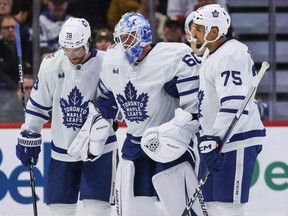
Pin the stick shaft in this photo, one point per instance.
(21, 80)
(20, 68)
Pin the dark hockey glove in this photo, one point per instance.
(28, 147)
(210, 152)
(108, 107)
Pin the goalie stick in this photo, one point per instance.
(21, 80)
(265, 65)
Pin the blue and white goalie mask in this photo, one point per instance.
(133, 33)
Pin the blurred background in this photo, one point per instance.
(260, 24)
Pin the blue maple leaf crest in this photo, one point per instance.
(134, 106)
(200, 100)
(74, 111)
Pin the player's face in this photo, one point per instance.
(128, 40)
(75, 55)
(198, 32)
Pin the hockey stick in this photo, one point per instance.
(21, 81)
(252, 90)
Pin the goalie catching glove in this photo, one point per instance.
(90, 142)
(170, 140)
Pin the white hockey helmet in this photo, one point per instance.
(133, 25)
(75, 33)
(212, 15)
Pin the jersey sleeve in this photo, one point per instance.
(40, 102)
(188, 80)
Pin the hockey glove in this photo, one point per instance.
(170, 140)
(90, 142)
(108, 107)
(210, 151)
(28, 147)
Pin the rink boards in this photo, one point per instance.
(269, 192)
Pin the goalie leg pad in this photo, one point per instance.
(62, 209)
(96, 208)
(175, 186)
(126, 204)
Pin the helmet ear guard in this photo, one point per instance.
(75, 33)
(133, 25)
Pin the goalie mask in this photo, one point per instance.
(75, 33)
(133, 33)
(213, 15)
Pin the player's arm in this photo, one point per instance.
(37, 113)
(106, 103)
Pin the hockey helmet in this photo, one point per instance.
(75, 33)
(213, 15)
(133, 33)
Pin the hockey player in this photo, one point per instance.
(225, 78)
(147, 84)
(66, 85)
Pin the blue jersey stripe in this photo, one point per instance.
(248, 135)
(233, 111)
(34, 103)
(232, 97)
(184, 93)
(37, 114)
(187, 79)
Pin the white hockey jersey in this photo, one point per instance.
(141, 90)
(225, 78)
(65, 89)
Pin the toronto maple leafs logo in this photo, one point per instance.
(200, 100)
(115, 70)
(215, 13)
(134, 106)
(74, 111)
(61, 75)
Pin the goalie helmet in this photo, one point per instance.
(75, 33)
(212, 15)
(133, 33)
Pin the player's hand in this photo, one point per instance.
(108, 107)
(28, 147)
(210, 151)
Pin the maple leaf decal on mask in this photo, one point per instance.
(134, 106)
(74, 111)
